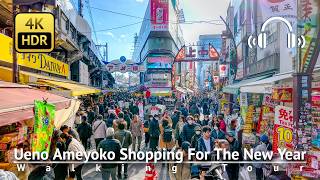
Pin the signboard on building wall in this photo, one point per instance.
(159, 15)
(37, 61)
(134, 68)
(83, 73)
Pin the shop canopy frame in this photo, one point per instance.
(235, 88)
(264, 86)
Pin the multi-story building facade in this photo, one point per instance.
(74, 48)
(158, 42)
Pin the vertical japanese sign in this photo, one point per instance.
(44, 114)
(141, 111)
(283, 128)
(223, 70)
(159, 15)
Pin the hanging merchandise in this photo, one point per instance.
(43, 126)
(266, 118)
(283, 129)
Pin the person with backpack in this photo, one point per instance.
(85, 131)
(99, 129)
(166, 136)
(264, 146)
(154, 131)
(125, 138)
(136, 129)
(91, 115)
(112, 116)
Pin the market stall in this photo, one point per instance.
(19, 119)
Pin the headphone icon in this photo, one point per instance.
(262, 37)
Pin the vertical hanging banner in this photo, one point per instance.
(159, 15)
(223, 70)
(44, 114)
(283, 128)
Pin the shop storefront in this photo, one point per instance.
(276, 119)
(17, 120)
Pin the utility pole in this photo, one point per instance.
(15, 66)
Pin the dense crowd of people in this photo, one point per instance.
(114, 122)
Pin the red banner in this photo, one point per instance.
(159, 15)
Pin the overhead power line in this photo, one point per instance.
(118, 27)
(91, 19)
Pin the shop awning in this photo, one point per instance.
(75, 89)
(17, 102)
(235, 88)
(63, 87)
(264, 85)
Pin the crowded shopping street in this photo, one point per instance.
(159, 90)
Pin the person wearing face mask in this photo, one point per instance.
(154, 132)
(189, 129)
(217, 133)
(195, 138)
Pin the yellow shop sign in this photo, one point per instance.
(37, 61)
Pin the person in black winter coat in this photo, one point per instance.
(205, 108)
(194, 109)
(175, 118)
(184, 111)
(85, 131)
(110, 144)
(233, 169)
(188, 129)
(154, 132)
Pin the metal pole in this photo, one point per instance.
(15, 67)
(234, 46)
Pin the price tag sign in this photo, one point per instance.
(283, 128)
(34, 32)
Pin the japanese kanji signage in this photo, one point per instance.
(134, 68)
(282, 95)
(197, 53)
(283, 128)
(282, 8)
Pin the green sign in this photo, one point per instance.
(43, 126)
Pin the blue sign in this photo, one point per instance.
(123, 59)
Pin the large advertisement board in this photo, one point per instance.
(159, 15)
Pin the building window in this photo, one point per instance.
(272, 34)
